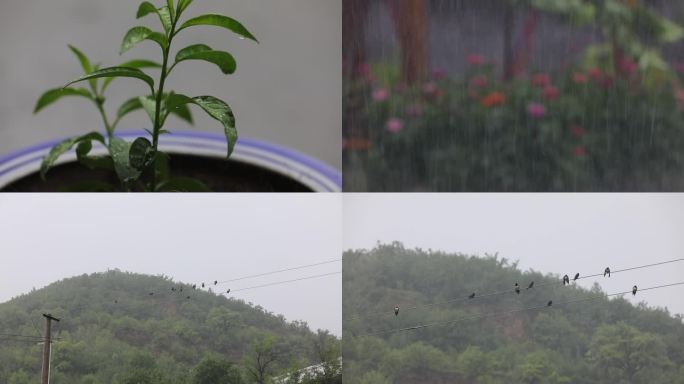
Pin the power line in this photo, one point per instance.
(21, 336)
(279, 271)
(284, 282)
(497, 293)
(497, 314)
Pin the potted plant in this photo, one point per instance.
(156, 159)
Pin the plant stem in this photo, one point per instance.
(100, 107)
(160, 95)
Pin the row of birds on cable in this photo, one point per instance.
(566, 281)
(194, 287)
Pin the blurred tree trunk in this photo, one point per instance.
(410, 22)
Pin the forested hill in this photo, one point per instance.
(126, 328)
(598, 340)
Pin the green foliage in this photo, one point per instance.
(597, 341)
(138, 173)
(113, 332)
(216, 371)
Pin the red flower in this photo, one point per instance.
(579, 151)
(541, 80)
(577, 131)
(579, 78)
(493, 99)
(627, 66)
(475, 59)
(551, 93)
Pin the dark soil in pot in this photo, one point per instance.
(218, 174)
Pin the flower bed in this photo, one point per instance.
(579, 129)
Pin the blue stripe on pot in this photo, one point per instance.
(311, 172)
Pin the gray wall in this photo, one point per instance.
(286, 90)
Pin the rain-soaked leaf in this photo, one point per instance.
(116, 72)
(215, 108)
(224, 60)
(141, 154)
(139, 34)
(137, 64)
(220, 21)
(53, 95)
(65, 146)
(163, 13)
(119, 150)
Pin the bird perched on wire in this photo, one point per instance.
(531, 285)
(576, 277)
(173, 289)
(396, 310)
(517, 288)
(634, 290)
(151, 293)
(606, 272)
(566, 280)
(194, 286)
(202, 285)
(228, 291)
(215, 282)
(187, 297)
(550, 303)
(472, 295)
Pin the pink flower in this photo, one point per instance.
(627, 66)
(551, 93)
(430, 89)
(438, 74)
(414, 110)
(394, 125)
(595, 74)
(380, 95)
(475, 59)
(479, 81)
(541, 80)
(579, 151)
(536, 110)
(577, 131)
(579, 78)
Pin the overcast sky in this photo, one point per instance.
(195, 238)
(556, 233)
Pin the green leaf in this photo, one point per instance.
(183, 5)
(223, 60)
(164, 14)
(149, 105)
(216, 108)
(138, 64)
(65, 146)
(116, 72)
(136, 35)
(182, 184)
(53, 95)
(92, 162)
(220, 21)
(119, 149)
(169, 4)
(133, 104)
(141, 154)
(83, 59)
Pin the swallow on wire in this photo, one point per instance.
(606, 272)
(531, 285)
(472, 295)
(215, 282)
(517, 288)
(228, 291)
(550, 303)
(576, 277)
(566, 280)
(202, 285)
(396, 310)
(634, 290)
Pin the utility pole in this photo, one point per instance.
(46, 347)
